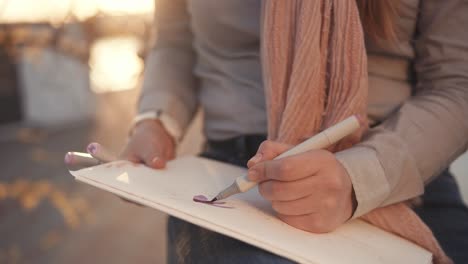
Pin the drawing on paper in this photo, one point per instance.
(203, 199)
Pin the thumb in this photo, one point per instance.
(268, 150)
(154, 160)
(150, 158)
(128, 154)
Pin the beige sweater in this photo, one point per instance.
(315, 74)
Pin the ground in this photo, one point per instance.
(48, 217)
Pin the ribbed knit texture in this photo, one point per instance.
(315, 74)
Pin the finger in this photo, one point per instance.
(100, 152)
(295, 208)
(290, 168)
(150, 157)
(303, 206)
(133, 159)
(129, 155)
(288, 191)
(154, 160)
(268, 150)
(314, 222)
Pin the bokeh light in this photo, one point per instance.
(115, 65)
(55, 11)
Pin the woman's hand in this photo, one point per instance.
(310, 191)
(149, 144)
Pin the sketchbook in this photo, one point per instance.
(246, 217)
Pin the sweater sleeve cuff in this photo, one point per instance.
(169, 123)
(367, 176)
(175, 114)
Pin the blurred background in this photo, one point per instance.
(70, 74)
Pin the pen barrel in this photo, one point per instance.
(77, 160)
(322, 140)
(100, 153)
(244, 184)
(325, 138)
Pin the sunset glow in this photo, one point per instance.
(55, 11)
(114, 64)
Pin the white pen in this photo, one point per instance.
(100, 153)
(321, 140)
(78, 160)
(96, 155)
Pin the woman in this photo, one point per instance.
(208, 53)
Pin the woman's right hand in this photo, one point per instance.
(150, 144)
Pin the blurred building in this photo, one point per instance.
(10, 108)
(57, 56)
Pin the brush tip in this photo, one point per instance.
(214, 200)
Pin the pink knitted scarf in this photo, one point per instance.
(315, 74)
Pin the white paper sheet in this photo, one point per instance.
(251, 219)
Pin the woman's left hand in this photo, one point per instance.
(310, 191)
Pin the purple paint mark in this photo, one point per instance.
(203, 199)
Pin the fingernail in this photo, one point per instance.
(256, 158)
(158, 162)
(92, 148)
(252, 175)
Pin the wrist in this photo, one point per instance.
(354, 202)
(157, 117)
(351, 200)
(367, 176)
(154, 126)
(148, 123)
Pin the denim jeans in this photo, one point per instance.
(442, 210)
